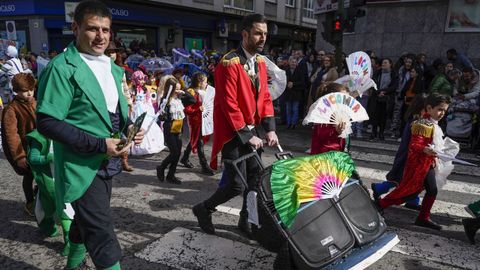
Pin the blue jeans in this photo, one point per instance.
(292, 112)
(358, 126)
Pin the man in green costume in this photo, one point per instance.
(82, 109)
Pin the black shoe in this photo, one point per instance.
(381, 137)
(160, 173)
(470, 226)
(293, 126)
(289, 126)
(173, 180)
(187, 164)
(372, 138)
(204, 217)
(413, 206)
(207, 171)
(244, 225)
(428, 224)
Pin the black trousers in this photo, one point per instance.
(380, 118)
(93, 224)
(174, 144)
(27, 185)
(430, 184)
(201, 154)
(233, 185)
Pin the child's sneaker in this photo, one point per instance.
(473, 209)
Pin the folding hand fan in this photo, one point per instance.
(277, 79)
(336, 108)
(304, 179)
(359, 84)
(207, 114)
(359, 64)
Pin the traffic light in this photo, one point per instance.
(337, 34)
(353, 13)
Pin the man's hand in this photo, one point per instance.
(382, 94)
(255, 142)
(112, 147)
(201, 108)
(272, 139)
(290, 84)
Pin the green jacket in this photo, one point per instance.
(440, 84)
(69, 91)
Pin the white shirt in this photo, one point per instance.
(251, 59)
(101, 66)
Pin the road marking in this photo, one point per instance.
(228, 210)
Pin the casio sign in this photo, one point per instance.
(119, 12)
(7, 8)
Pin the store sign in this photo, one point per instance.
(324, 6)
(7, 8)
(119, 12)
(463, 16)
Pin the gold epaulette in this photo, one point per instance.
(231, 58)
(423, 128)
(191, 91)
(260, 59)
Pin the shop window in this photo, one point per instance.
(23, 40)
(307, 11)
(239, 4)
(290, 3)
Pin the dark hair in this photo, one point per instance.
(93, 7)
(388, 59)
(416, 107)
(197, 78)
(248, 21)
(22, 81)
(467, 69)
(452, 51)
(327, 88)
(435, 99)
(169, 82)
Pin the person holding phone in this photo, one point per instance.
(81, 108)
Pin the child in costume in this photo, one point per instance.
(419, 170)
(172, 106)
(194, 115)
(325, 137)
(415, 111)
(18, 119)
(40, 158)
(153, 141)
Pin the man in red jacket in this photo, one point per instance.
(242, 102)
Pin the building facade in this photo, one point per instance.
(391, 28)
(45, 24)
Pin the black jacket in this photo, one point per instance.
(299, 84)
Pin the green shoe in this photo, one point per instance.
(473, 209)
(54, 232)
(66, 249)
(76, 255)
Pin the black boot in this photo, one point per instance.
(187, 164)
(204, 217)
(161, 173)
(244, 225)
(471, 226)
(173, 180)
(428, 224)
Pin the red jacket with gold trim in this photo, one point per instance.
(238, 103)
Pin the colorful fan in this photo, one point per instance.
(358, 84)
(359, 64)
(207, 114)
(336, 108)
(304, 179)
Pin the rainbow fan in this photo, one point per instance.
(304, 179)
